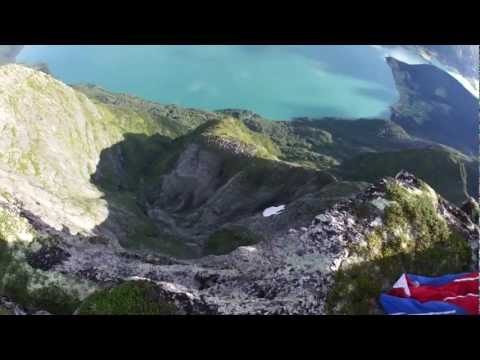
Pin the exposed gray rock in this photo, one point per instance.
(10, 307)
(290, 274)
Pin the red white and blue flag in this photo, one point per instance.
(455, 294)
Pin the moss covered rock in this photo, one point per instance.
(28, 282)
(410, 236)
(4, 312)
(128, 298)
(38, 290)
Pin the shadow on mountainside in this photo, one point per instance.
(187, 198)
(449, 175)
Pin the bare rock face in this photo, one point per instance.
(472, 209)
(8, 307)
(193, 181)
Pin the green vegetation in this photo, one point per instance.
(5, 257)
(371, 132)
(141, 232)
(448, 172)
(230, 129)
(304, 145)
(139, 142)
(49, 297)
(323, 143)
(15, 281)
(169, 121)
(122, 166)
(225, 241)
(17, 277)
(414, 239)
(53, 299)
(129, 298)
(131, 174)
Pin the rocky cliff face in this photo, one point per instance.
(52, 137)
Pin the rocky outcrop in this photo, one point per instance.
(10, 308)
(472, 209)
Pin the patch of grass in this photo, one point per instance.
(148, 117)
(53, 299)
(5, 257)
(15, 279)
(225, 241)
(235, 130)
(129, 298)
(15, 284)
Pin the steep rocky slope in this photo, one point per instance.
(51, 141)
(339, 264)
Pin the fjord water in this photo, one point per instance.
(278, 82)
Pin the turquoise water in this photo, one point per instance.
(278, 82)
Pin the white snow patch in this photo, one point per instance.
(249, 249)
(137, 278)
(273, 210)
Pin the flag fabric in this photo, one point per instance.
(456, 294)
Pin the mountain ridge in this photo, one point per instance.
(435, 106)
(98, 189)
